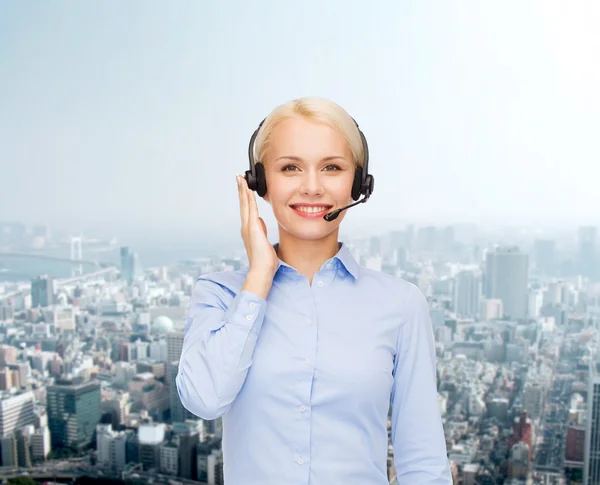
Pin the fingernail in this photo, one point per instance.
(237, 179)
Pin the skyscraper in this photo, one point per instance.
(130, 266)
(42, 291)
(467, 294)
(591, 465)
(74, 410)
(16, 411)
(507, 274)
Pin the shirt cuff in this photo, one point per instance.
(247, 310)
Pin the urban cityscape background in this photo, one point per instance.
(91, 338)
(122, 125)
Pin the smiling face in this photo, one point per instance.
(309, 170)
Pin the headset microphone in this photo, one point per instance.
(330, 216)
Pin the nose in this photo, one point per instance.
(311, 183)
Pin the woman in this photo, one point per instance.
(303, 353)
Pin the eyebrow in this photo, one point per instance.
(325, 159)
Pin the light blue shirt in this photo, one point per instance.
(304, 380)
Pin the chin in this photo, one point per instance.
(308, 235)
(310, 230)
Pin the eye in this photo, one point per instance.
(288, 168)
(331, 168)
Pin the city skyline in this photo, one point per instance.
(121, 132)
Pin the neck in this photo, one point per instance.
(306, 255)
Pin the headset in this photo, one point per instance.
(363, 183)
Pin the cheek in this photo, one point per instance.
(341, 190)
(279, 190)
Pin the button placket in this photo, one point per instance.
(307, 330)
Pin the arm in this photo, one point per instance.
(417, 431)
(220, 334)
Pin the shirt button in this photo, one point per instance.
(308, 321)
(302, 409)
(300, 461)
(328, 266)
(319, 283)
(252, 304)
(248, 317)
(307, 361)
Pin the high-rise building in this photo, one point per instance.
(42, 291)
(205, 450)
(151, 436)
(188, 451)
(16, 411)
(111, 447)
(40, 443)
(130, 266)
(174, 348)
(507, 275)
(10, 453)
(591, 467)
(467, 294)
(215, 468)
(74, 410)
(8, 354)
(575, 444)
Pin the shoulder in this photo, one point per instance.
(223, 284)
(408, 300)
(402, 290)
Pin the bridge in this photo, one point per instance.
(65, 281)
(86, 276)
(53, 258)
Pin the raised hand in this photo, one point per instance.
(262, 257)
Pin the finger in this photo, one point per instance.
(243, 203)
(252, 207)
(239, 189)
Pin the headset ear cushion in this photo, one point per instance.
(370, 183)
(261, 180)
(250, 180)
(357, 184)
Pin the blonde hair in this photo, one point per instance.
(315, 109)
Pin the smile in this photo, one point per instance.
(311, 211)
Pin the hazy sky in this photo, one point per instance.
(137, 115)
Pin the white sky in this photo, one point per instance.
(136, 115)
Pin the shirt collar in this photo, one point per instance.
(343, 256)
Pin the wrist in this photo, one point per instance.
(258, 282)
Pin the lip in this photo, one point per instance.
(311, 215)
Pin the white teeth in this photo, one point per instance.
(311, 209)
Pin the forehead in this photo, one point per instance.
(304, 138)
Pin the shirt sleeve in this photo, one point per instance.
(220, 335)
(417, 431)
